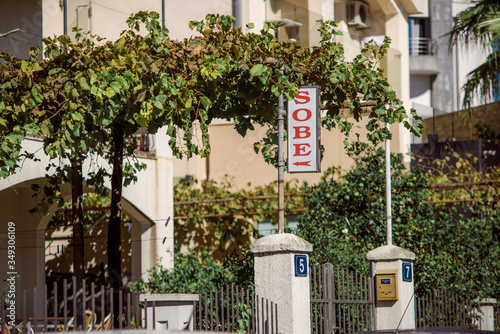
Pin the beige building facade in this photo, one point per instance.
(359, 20)
(234, 157)
(150, 202)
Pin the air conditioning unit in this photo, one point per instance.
(358, 14)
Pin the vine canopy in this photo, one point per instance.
(81, 89)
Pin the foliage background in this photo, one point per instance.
(454, 238)
(446, 213)
(87, 97)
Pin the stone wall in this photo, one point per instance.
(453, 125)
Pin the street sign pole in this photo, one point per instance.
(303, 139)
(281, 164)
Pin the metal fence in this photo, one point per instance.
(229, 309)
(341, 301)
(443, 308)
(232, 309)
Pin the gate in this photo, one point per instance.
(232, 309)
(341, 301)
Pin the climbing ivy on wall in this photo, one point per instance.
(223, 219)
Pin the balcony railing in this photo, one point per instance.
(422, 46)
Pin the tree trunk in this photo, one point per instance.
(114, 227)
(78, 237)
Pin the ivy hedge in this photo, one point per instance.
(446, 213)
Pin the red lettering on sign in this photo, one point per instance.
(300, 150)
(295, 115)
(305, 99)
(300, 134)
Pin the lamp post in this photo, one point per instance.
(388, 190)
(283, 23)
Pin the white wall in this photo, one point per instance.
(468, 59)
(178, 16)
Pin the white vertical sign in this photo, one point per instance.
(304, 131)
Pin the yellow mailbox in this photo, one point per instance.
(386, 281)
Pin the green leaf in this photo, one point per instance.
(122, 81)
(116, 87)
(158, 105)
(257, 70)
(37, 67)
(76, 130)
(83, 83)
(205, 101)
(24, 66)
(77, 116)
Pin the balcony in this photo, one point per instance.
(423, 56)
(422, 46)
(144, 140)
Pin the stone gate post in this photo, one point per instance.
(391, 268)
(486, 321)
(282, 276)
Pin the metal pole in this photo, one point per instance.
(388, 187)
(281, 163)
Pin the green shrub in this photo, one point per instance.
(192, 273)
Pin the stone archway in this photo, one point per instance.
(149, 202)
(31, 247)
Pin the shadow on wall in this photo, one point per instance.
(59, 253)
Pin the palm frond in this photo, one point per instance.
(468, 28)
(493, 26)
(483, 80)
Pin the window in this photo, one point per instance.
(266, 227)
(420, 36)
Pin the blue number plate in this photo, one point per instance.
(407, 272)
(300, 265)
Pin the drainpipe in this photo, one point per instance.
(457, 79)
(163, 13)
(237, 13)
(65, 15)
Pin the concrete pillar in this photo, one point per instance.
(393, 287)
(487, 315)
(170, 311)
(282, 276)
